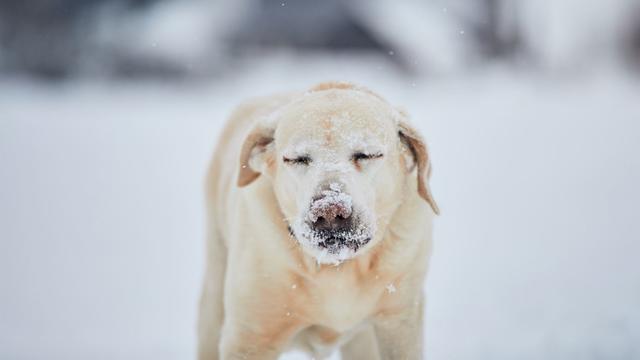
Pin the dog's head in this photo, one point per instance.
(338, 158)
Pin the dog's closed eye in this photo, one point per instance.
(361, 156)
(299, 160)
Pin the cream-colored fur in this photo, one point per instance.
(266, 290)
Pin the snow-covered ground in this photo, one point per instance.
(536, 254)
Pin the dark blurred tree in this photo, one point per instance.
(496, 29)
(632, 44)
(327, 24)
(46, 37)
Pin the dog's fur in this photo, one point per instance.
(271, 285)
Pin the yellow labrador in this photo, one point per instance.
(320, 220)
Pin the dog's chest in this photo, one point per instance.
(341, 302)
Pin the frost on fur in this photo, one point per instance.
(333, 203)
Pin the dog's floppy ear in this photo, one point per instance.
(252, 154)
(416, 145)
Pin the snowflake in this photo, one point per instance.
(391, 289)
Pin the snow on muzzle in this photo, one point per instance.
(331, 222)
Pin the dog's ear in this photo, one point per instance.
(252, 155)
(420, 159)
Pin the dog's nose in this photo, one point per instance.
(331, 210)
(332, 217)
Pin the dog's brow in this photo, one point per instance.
(359, 141)
(302, 147)
(368, 149)
(367, 146)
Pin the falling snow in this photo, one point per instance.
(391, 288)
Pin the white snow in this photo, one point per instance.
(434, 43)
(336, 187)
(390, 288)
(187, 34)
(536, 251)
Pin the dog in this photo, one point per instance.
(319, 229)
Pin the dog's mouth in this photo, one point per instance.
(334, 242)
(331, 246)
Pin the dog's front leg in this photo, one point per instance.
(257, 341)
(399, 332)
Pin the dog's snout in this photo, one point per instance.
(331, 209)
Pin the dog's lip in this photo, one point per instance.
(336, 241)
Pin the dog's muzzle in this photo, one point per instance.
(331, 221)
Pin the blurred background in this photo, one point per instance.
(109, 111)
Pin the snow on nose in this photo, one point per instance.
(330, 204)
